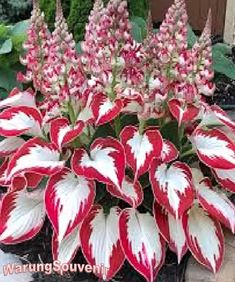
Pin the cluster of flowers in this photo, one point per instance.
(105, 118)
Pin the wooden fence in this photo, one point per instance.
(197, 11)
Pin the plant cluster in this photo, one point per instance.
(116, 145)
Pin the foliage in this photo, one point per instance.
(12, 10)
(11, 40)
(116, 145)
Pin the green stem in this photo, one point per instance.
(72, 115)
(117, 126)
(188, 153)
(73, 119)
(142, 125)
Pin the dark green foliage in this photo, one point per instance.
(49, 8)
(139, 8)
(12, 11)
(79, 12)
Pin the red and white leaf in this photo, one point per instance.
(66, 250)
(141, 241)
(214, 148)
(130, 192)
(100, 241)
(172, 186)
(3, 173)
(140, 149)
(62, 132)
(35, 156)
(182, 112)
(68, 200)
(22, 216)
(204, 237)
(214, 115)
(105, 162)
(217, 205)
(169, 152)
(19, 98)
(104, 109)
(226, 178)
(132, 105)
(20, 120)
(10, 145)
(172, 231)
(27, 180)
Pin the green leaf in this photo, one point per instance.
(139, 28)
(104, 131)
(170, 132)
(20, 28)
(3, 31)
(3, 93)
(140, 21)
(222, 64)
(6, 47)
(192, 38)
(8, 79)
(79, 48)
(223, 48)
(136, 32)
(148, 199)
(100, 191)
(128, 120)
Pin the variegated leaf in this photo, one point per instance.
(172, 186)
(19, 98)
(105, 110)
(141, 241)
(172, 230)
(63, 188)
(169, 152)
(204, 237)
(27, 180)
(105, 162)
(65, 251)
(35, 156)
(10, 145)
(182, 112)
(226, 178)
(130, 192)
(3, 173)
(214, 115)
(22, 216)
(214, 148)
(100, 241)
(217, 205)
(140, 149)
(62, 132)
(20, 120)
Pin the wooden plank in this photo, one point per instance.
(197, 11)
(229, 30)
